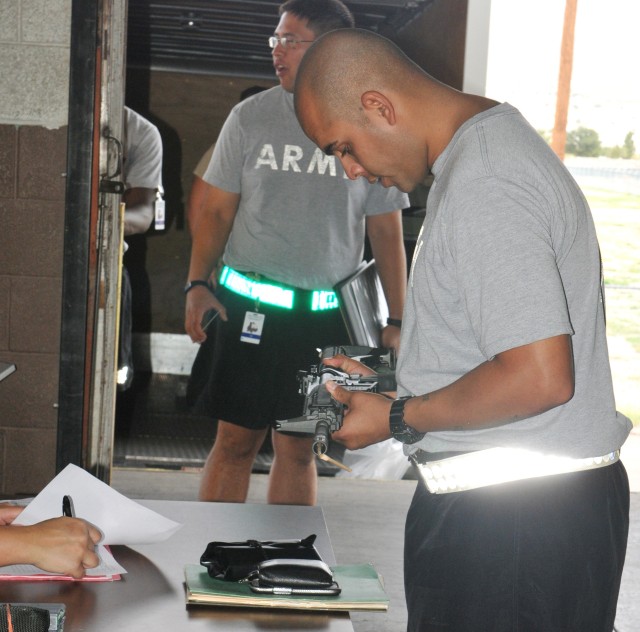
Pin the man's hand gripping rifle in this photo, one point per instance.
(322, 415)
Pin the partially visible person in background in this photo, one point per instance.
(289, 226)
(142, 174)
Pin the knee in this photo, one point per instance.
(296, 450)
(236, 443)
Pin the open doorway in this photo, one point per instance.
(187, 65)
(155, 424)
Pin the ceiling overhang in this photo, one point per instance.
(229, 37)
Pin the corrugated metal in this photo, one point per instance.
(230, 36)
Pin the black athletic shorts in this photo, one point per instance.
(540, 555)
(253, 385)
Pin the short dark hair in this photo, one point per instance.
(343, 64)
(322, 15)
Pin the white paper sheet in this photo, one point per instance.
(121, 520)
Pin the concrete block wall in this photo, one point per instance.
(34, 69)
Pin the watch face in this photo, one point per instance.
(410, 435)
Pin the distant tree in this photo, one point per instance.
(583, 142)
(629, 147)
(612, 152)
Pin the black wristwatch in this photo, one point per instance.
(399, 430)
(191, 284)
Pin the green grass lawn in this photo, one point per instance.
(617, 219)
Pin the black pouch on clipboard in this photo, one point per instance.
(233, 561)
(293, 577)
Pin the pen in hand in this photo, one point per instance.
(206, 323)
(67, 507)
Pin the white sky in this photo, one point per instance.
(524, 53)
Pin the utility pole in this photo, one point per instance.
(559, 134)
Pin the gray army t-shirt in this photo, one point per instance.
(508, 255)
(300, 220)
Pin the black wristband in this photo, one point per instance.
(191, 284)
(394, 322)
(398, 428)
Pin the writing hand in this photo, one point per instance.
(60, 545)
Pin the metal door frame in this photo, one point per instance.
(92, 256)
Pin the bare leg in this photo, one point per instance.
(227, 470)
(293, 477)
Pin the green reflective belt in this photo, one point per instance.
(274, 294)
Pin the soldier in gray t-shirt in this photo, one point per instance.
(288, 225)
(520, 517)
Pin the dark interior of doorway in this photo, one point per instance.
(157, 429)
(158, 425)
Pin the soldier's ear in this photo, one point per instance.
(378, 104)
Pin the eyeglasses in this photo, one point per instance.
(288, 43)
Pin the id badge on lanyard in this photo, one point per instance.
(252, 328)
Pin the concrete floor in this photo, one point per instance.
(365, 519)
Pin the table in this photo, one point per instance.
(151, 596)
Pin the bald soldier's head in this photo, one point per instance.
(344, 63)
(350, 98)
(360, 98)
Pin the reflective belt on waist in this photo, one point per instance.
(500, 465)
(275, 294)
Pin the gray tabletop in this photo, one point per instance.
(151, 595)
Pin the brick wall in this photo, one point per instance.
(32, 164)
(34, 70)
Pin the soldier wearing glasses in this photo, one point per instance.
(288, 225)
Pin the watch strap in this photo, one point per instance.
(195, 283)
(397, 426)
